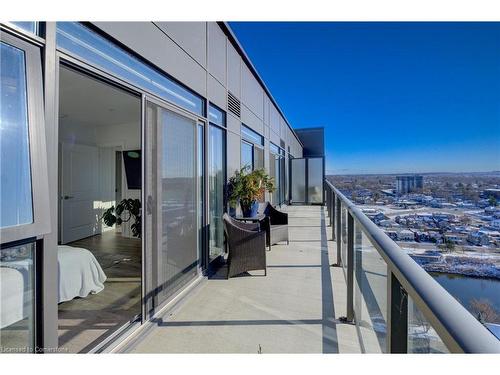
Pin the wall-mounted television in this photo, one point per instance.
(132, 163)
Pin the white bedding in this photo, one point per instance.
(79, 275)
(12, 300)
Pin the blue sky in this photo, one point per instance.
(393, 97)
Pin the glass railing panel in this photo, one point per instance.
(370, 293)
(422, 338)
(343, 234)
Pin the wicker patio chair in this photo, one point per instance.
(247, 246)
(275, 224)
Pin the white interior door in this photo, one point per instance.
(79, 190)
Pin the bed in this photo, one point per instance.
(80, 274)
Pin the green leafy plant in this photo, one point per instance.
(130, 209)
(246, 187)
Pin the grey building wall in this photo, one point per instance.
(205, 58)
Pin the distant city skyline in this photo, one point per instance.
(393, 97)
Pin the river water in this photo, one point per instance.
(465, 289)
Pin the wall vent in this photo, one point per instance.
(233, 104)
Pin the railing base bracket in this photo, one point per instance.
(344, 320)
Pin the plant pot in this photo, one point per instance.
(232, 211)
(250, 210)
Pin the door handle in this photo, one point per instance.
(68, 197)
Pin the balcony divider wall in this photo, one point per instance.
(306, 179)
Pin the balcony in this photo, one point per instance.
(359, 294)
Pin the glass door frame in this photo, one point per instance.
(210, 263)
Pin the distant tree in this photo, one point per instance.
(492, 201)
(447, 245)
(484, 311)
(466, 220)
(376, 196)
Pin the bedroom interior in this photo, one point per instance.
(99, 166)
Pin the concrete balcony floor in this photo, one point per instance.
(294, 309)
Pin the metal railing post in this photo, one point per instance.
(350, 267)
(397, 316)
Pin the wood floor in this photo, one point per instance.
(85, 322)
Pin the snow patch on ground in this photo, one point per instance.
(476, 265)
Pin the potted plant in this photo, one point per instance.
(231, 199)
(132, 209)
(246, 187)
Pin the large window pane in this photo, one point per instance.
(247, 156)
(216, 181)
(216, 116)
(16, 298)
(251, 135)
(95, 49)
(273, 172)
(16, 204)
(28, 26)
(258, 158)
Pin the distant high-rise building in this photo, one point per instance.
(409, 183)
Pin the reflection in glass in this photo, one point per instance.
(370, 293)
(216, 116)
(16, 298)
(277, 171)
(95, 49)
(178, 255)
(422, 338)
(251, 135)
(216, 183)
(16, 206)
(258, 154)
(28, 26)
(247, 156)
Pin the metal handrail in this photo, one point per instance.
(458, 329)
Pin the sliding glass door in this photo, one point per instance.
(173, 203)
